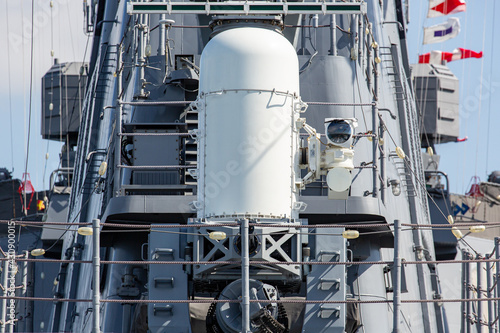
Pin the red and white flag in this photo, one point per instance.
(445, 7)
(437, 57)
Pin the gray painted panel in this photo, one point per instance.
(353, 205)
(326, 283)
(167, 282)
(146, 204)
(437, 97)
(152, 150)
(179, 204)
(57, 211)
(64, 88)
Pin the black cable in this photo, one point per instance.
(78, 214)
(79, 82)
(31, 98)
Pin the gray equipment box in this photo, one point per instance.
(437, 97)
(63, 91)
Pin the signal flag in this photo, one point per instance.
(445, 7)
(437, 57)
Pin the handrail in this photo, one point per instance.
(156, 103)
(68, 171)
(437, 172)
(246, 8)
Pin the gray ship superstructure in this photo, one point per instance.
(247, 146)
(250, 165)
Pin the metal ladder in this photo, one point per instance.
(190, 151)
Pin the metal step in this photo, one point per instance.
(190, 117)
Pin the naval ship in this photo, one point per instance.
(246, 166)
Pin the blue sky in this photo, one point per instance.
(62, 31)
(479, 89)
(59, 29)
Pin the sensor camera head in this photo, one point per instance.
(339, 131)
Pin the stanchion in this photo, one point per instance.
(396, 283)
(245, 278)
(96, 280)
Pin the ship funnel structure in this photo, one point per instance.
(248, 103)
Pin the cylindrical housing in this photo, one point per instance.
(249, 86)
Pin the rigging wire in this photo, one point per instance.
(28, 141)
(420, 35)
(31, 88)
(490, 83)
(9, 78)
(464, 83)
(87, 172)
(480, 92)
(10, 90)
(363, 224)
(467, 243)
(359, 94)
(409, 166)
(74, 219)
(477, 259)
(90, 195)
(51, 91)
(23, 80)
(81, 208)
(148, 228)
(69, 119)
(30, 102)
(71, 32)
(210, 301)
(80, 76)
(284, 301)
(407, 161)
(423, 92)
(25, 178)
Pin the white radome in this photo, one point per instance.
(248, 146)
